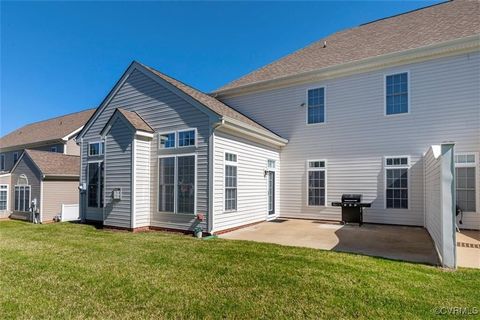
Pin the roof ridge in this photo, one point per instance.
(400, 14)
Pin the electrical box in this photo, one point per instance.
(117, 194)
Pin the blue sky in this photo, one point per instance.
(62, 57)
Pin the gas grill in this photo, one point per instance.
(352, 208)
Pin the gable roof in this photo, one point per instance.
(47, 130)
(208, 101)
(53, 163)
(135, 120)
(419, 28)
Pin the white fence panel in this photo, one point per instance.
(70, 212)
(440, 201)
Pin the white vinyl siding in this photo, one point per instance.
(142, 182)
(252, 188)
(358, 135)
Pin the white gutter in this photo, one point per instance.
(253, 132)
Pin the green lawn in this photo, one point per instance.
(76, 271)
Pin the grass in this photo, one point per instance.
(76, 271)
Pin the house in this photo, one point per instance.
(41, 162)
(389, 109)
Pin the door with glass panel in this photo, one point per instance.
(271, 192)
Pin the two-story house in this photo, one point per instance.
(376, 110)
(41, 162)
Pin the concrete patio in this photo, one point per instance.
(392, 242)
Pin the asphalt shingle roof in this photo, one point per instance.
(47, 130)
(415, 29)
(135, 120)
(55, 164)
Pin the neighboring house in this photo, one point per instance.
(356, 112)
(52, 136)
(48, 178)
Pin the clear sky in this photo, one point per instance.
(62, 57)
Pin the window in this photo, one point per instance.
(465, 172)
(22, 198)
(396, 179)
(15, 157)
(53, 149)
(397, 93)
(3, 196)
(271, 164)
(167, 140)
(96, 148)
(95, 184)
(176, 184)
(186, 138)
(316, 106)
(316, 183)
(230, 181)
(2, 162)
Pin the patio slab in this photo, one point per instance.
(392, 242)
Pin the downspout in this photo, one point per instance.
(211, 178)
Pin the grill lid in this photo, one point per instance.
(351, 198)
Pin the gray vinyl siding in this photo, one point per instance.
(164, 111)
(142, 182)
(118, 174)
(252, 192)
(28, 168)
(444, 106)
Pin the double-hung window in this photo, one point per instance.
(3, 196)
(22, 198)
(96, 148)
(95, 184)
(396, 93)
(15, 157)
(2, 162)
(316, 173)
(230, 182)
(176, 184)
(316, 106)
(465, 172)
(396, 179)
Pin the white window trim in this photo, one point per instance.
(15, 155)
(409, 94)
(475, 165)
(29, 196)
(324, 103)
(326, 181)
(87, 183)
(177, 139)
(8, 196)
(2, 162)
(401, 166)
(274, 168)
(229, 163)
(53, 149)
(175, 191)
(101, 148)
